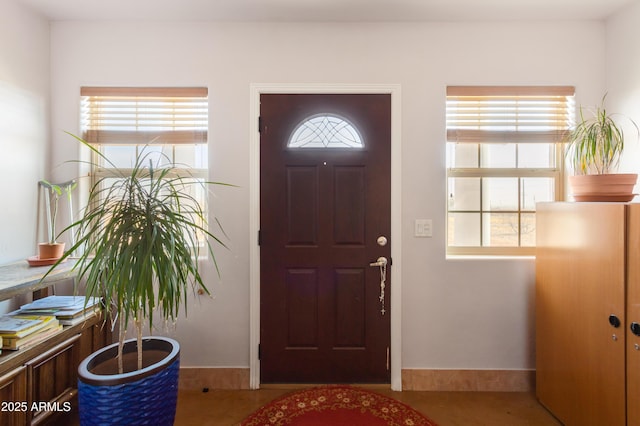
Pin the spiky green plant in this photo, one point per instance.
(55, 192)
(139, 239)
(596, 143)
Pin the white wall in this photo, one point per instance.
(24, 125)
(456, 313)
(623, 77)
(24, 121)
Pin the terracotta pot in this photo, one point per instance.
(50, 251)
(607, 187)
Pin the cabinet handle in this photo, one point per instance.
(614, 321)
(635, 328)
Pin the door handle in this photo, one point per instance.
(382, 261)
(614, 321)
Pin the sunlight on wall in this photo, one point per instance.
(23, 136)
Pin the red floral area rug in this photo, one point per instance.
(336, 406)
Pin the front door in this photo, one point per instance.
(325, 216)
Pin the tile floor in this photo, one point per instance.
(227, 408)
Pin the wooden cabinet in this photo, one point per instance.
(587, 297)
(38, 384)
(13, 397)
(52, 379)
(43, 377)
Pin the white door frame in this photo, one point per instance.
(396, 216)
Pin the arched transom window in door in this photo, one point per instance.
(325, 131)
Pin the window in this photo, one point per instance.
(325, 131)
(504, 154)
(171, 123)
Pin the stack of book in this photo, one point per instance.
(18, 331)
(40, 319)
(68, 310)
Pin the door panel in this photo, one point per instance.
(302, 206)
(633, 314)
(349, 197)
(321, 212)
(580, 282)
(302, 319)
(350, 308)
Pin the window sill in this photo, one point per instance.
(462, 257)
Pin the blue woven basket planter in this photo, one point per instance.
(142, 397)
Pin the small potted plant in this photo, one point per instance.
(595, 146)
(138, 241)
(52, 250)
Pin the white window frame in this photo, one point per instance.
(517, 128)
(137, 117)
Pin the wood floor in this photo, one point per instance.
(227, 408)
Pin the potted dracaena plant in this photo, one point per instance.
(139, 240)
(595, 146)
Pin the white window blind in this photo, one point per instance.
(138, 116)
(514, 114)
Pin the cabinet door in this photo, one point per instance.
(580, 282)
(94, 337)
(53, 379)
(13, 397)
(633, 315)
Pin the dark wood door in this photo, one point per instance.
(325, 172)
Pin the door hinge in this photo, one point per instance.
(260, 124)
(259, 237)
(259, 352)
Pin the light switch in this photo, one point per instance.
(424, 228)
